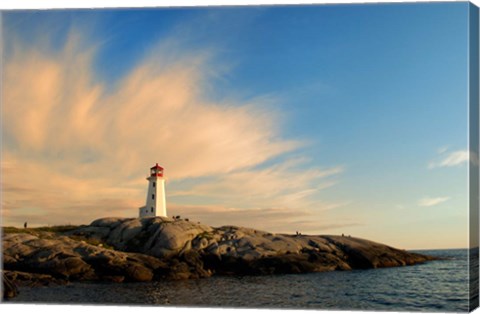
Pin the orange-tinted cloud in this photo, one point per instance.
(75, 150)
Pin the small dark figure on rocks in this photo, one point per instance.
(25, 225)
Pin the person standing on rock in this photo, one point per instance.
(25, 225)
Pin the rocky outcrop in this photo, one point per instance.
(159, 236)
(9, 289)
(164, 237)
(119, 249)
(64, 258)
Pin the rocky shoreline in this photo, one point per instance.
(149, 249)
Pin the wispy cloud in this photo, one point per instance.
(432, 201)
(75, 150)
(280, 185)
(450, 159)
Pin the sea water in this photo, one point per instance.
(433, 286)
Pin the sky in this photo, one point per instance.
(324, 119)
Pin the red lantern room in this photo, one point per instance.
(156, 171)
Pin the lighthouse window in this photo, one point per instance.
(152, 209)
(153, 184)
(153, 196)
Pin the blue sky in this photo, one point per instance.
(323, 119)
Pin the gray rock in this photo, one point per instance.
(109, 222)
(155, 248)
(65, 258)
(9, 289)
(173, 237)
(100, 233)
(199, 243)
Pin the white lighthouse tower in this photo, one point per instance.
(155, 204)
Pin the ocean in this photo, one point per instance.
(434, 286)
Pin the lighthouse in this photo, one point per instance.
(155, 204)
